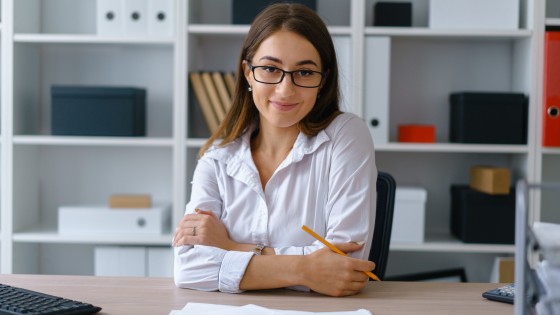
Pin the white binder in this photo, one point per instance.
(342, 46)
(136, 17)
(377, 78)
(109, 16)
(160, 17)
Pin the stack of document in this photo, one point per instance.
(250, 309)
(548, 270)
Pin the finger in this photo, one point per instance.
(359, 276)
(185, 240)
(206, 212)
(348, 247)
(191, 217)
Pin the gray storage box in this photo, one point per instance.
(98, 111)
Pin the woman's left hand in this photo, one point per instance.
(202, 228)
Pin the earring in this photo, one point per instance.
(250, 89)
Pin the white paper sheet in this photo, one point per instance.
(250, 309)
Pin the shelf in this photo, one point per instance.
(242, 30)
(89, 39)
(551, 151)
(425, 147)
(452, 148)
(449, 244)
(552, 22)
(51, 235)
(93, 141)
(428, 32)
(195, 142)
(217, 29)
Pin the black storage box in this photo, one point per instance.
(495, 118)
(245, 11)
(392, 14)
(477, 217)
(98, 111)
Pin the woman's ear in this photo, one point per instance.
(247, 72)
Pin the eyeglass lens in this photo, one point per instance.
(272, 75)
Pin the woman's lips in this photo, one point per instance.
(283, 106)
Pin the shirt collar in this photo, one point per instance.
(237, 154)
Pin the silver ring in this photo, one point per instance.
(194, 231)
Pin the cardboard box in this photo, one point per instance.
(99, 219)
(490, 180)
(409, 215)
(503, 270)
(474, 14)
(417, 133)
(130, 201)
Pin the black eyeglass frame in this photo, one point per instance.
(291, 73)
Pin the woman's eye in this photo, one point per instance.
(305, 73)
(270, 69)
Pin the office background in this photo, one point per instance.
(401, 75)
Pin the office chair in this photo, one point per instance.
(379, 252)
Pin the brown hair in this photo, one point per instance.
(301, 20)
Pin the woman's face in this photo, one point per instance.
(284, 104)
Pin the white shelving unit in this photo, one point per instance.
(47, 42)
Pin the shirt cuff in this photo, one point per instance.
(232, 271)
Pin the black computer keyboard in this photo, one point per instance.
(504, 294)
(16, 301)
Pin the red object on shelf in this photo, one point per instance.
(551, 114)
(417, 133)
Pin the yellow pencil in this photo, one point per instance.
(334, 249)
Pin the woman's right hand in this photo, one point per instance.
(329, 273)
(202, 228)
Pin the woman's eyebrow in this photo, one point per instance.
(299, 63)
(306, 62)
(271, 59)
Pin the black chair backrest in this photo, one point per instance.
(379, 252)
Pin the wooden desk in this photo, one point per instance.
(153, 296)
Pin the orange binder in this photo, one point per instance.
(551, 114)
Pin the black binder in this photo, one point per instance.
(245, 11)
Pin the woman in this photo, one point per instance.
(289, 157)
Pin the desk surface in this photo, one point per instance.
(126, 295)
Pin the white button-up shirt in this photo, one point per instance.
(327, 182)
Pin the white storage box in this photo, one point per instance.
(474, 14)
(93, 219)
(409, 215)
(129, 261)
(134, 261)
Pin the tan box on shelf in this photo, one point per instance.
(503, 270)
(130, 201)
(491, 180)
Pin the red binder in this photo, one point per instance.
(551, 114)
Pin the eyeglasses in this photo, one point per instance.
(272, 75)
